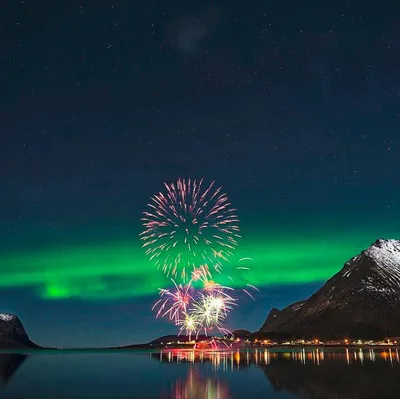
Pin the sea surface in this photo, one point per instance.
(187, 374)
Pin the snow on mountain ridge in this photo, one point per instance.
(382, 250)
(386, 254)
(297, 306)
(6, 317)
(386, 257)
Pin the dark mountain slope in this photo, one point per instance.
(13, 334)
(361, 301)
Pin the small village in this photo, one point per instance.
(238, 343)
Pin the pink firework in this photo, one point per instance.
(189, 225)
(173, 303)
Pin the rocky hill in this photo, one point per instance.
(13, 334)
(277, 318)
(361, 301)
(241, 333)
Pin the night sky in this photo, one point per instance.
(293, 110)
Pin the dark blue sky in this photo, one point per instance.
(294, 109)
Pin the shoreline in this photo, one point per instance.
(185, 348)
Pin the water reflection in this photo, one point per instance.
(9, 364)
(314, 374)
(196, 386)
(273, 373)
(364, 379)
(225, 360)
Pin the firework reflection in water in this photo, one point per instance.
(194, 386)
(230, 359)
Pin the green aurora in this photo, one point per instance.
(120, 270)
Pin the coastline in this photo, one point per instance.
(152, 348)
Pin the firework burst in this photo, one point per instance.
(173, 303)
(190, 231)
(210, 310)
(189, 325)
(189, 225)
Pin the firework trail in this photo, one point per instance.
(187, 226)
(248, 287)
(208, 285)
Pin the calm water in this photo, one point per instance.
(187, 374)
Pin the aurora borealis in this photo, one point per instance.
(287, 264)
(95, 279)
(119, 270)
(293, 111)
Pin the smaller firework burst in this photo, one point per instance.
(189, 325)
(175, 302)
(211, 309)
(201, 305)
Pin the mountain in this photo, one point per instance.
(361, 301)
(13, 334)
(277, 318)
(174, 338)
(241, 333)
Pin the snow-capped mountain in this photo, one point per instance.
(361, 301)
(13, 334)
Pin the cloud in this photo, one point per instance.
(189, 32)
(189, 37)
